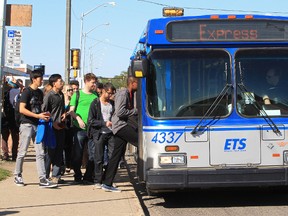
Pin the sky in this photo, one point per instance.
(112, 32)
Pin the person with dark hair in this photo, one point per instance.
(54, 104)
(30, 108)
(99, 87)
(125, 129)
(11, 89)
(5, 131)
(79, 108)
(75, 85)
(100, 129)
(276, 91)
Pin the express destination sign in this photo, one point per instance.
(227, 30)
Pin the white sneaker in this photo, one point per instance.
(45, 183)
(18, 180)
(97, 185)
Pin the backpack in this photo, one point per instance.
(7, 106)
(77, 100)
(17, 114)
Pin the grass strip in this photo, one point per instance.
(4, 174)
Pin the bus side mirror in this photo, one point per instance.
(139, 68)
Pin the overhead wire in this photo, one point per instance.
(215, 9)
(111, 44)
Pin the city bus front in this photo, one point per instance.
(205, 116)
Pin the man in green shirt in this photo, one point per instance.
(79, 109)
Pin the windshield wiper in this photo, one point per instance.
(256, 104)
(212, 107)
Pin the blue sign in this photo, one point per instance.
(11, 33)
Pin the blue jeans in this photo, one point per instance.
(80, 140)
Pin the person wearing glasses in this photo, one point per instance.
(75, 85)
(68, 92)
(100, 130)
(125, 129)
(276, 87)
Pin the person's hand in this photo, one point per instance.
(63, 117)
(44, 116)
(59, 125)
(80, 122)
(108, 124)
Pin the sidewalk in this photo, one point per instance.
(67, 199)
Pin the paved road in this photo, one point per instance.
(220, 202)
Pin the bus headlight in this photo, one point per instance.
(172, 159)
(285, 157)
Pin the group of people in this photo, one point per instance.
(66, 119)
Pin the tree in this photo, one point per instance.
(118, 81)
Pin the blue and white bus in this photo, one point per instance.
(213, 101)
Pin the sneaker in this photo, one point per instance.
(18, 180)
(45, 183)
(110, 188)
(56, 180)
(97, 185)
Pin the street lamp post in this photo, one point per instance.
(90, 53)
(85, 35)
(81, 19)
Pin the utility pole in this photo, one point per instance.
(2, 52)
(67, 41)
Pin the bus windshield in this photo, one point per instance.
(264, 75)
(185, 83)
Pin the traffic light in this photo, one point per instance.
(75, 58)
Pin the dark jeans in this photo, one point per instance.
(124, 135)
(100, 143)
(55, 156)
(68, 147)
(80, 140)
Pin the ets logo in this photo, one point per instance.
(235, 145)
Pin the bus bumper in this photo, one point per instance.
(169, 179)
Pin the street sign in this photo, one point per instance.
(11, 33)
(13, 48)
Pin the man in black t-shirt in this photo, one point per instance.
(30, 109)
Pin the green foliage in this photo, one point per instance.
(4, 174)
(118, 81)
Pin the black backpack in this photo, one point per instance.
(17, 114)
(7, 106)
